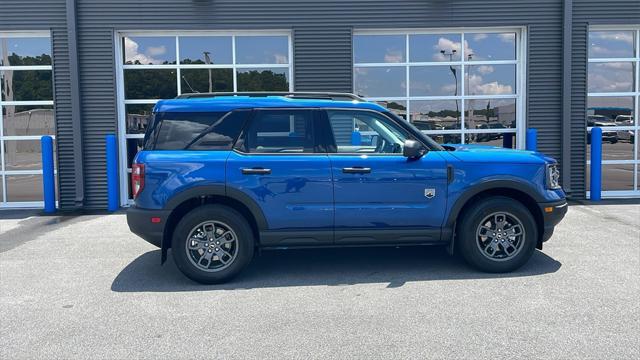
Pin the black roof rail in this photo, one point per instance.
(293, 95)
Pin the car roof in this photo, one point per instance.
(228, 103)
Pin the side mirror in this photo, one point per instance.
(412, 149)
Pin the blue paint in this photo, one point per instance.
(507, 141)
(48, 177)
(113, 193)
(532, 139)
(596, 164)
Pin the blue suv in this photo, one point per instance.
(224, 174)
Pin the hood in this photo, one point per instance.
(494, 154)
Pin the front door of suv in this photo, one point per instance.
(278, 163)
(380, 195)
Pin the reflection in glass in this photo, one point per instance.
(614, 149)
(504, 140)
(150, 84)
(149, 50)
(22, 155)
(488, 46)
(434, 80)
(436, 114)
(205, 50)
(379, 48)
(611, 44)
(490, 114)
(611, 77)
(490, 79)
(262, 50)
(398, 107)
(614, 177)
(24, 188)
(25, 85)
(28, 120)
(434, 47)
(206, 80)
(615, 110)
(138, 117)
(133, 147)
(263, 79)
(24, 51)
(380, 81)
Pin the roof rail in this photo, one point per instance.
(293, 95)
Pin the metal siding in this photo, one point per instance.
(322, 59)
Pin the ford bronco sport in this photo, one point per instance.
(224, 174)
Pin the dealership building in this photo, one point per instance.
(480, 72)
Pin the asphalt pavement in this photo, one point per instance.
(78, 287)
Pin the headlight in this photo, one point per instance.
(553, 176)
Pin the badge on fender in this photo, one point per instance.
(429, 193)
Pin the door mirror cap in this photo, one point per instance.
(413, 149)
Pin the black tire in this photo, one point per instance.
(222, 216)
(469, 240)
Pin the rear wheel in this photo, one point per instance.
(212, 243)
(497, 234)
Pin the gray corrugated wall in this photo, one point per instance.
(585, 13)
(51, 15)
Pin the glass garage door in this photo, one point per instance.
(612, 105)
(455, 93)
(26, 104)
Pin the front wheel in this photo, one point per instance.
(212, 243)
(497, 234)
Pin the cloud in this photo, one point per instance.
(479, 37)
(485, 69)
(610, 77)
(133, 54)
(393, 56)
(448, 46)
(507, 37)
(156, 50)
(626, 37)
(280, 58)
(477, 86)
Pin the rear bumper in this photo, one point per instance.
(140, 223)
(552, 214)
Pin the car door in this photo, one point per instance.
(380, 195)
(279, 165)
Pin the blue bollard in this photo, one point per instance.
(596, 164)
(48, 177)
(112, 173)
(356, 138)
(532, 140)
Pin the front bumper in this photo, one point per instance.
(552, 214)
(140, 223)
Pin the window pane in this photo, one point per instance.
(206, 80)
(611, 77)
(611, 44)
(24, 188)
(263, 79)
(138, 118)
(437, 47)
(507, 140)
(147, 50)
(446, 138)
(281, 131)
(434, 80)
(609, 111)
(28, 120)
(436, 114)
(380, 81)
(205, 50)
(133, 147)
(150, 84)
(177, 130)
(490, 114)
(25, 51)
(613, 148)
(262, 50)
(490, 79)
(486, 46)
(23, 155)
(398, 107)
(614, 177)
(379, 48)
(364, 132)
(25, 85)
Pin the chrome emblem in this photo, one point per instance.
(429, 193)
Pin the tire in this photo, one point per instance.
(212, 261)
(473, 237)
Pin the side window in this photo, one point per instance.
(280, 131)
(194, 130)
(366, 132)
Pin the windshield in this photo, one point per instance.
(433, 145)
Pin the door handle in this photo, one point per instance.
(356, 170)
(255, 171)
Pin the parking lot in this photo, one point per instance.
(84, 287)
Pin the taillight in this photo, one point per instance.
(137, 179)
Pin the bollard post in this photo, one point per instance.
(532, 140)
(112, 173)
(48, 177)
(596, 164)
(356, 138)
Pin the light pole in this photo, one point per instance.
(455, 77)
(207, 60)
